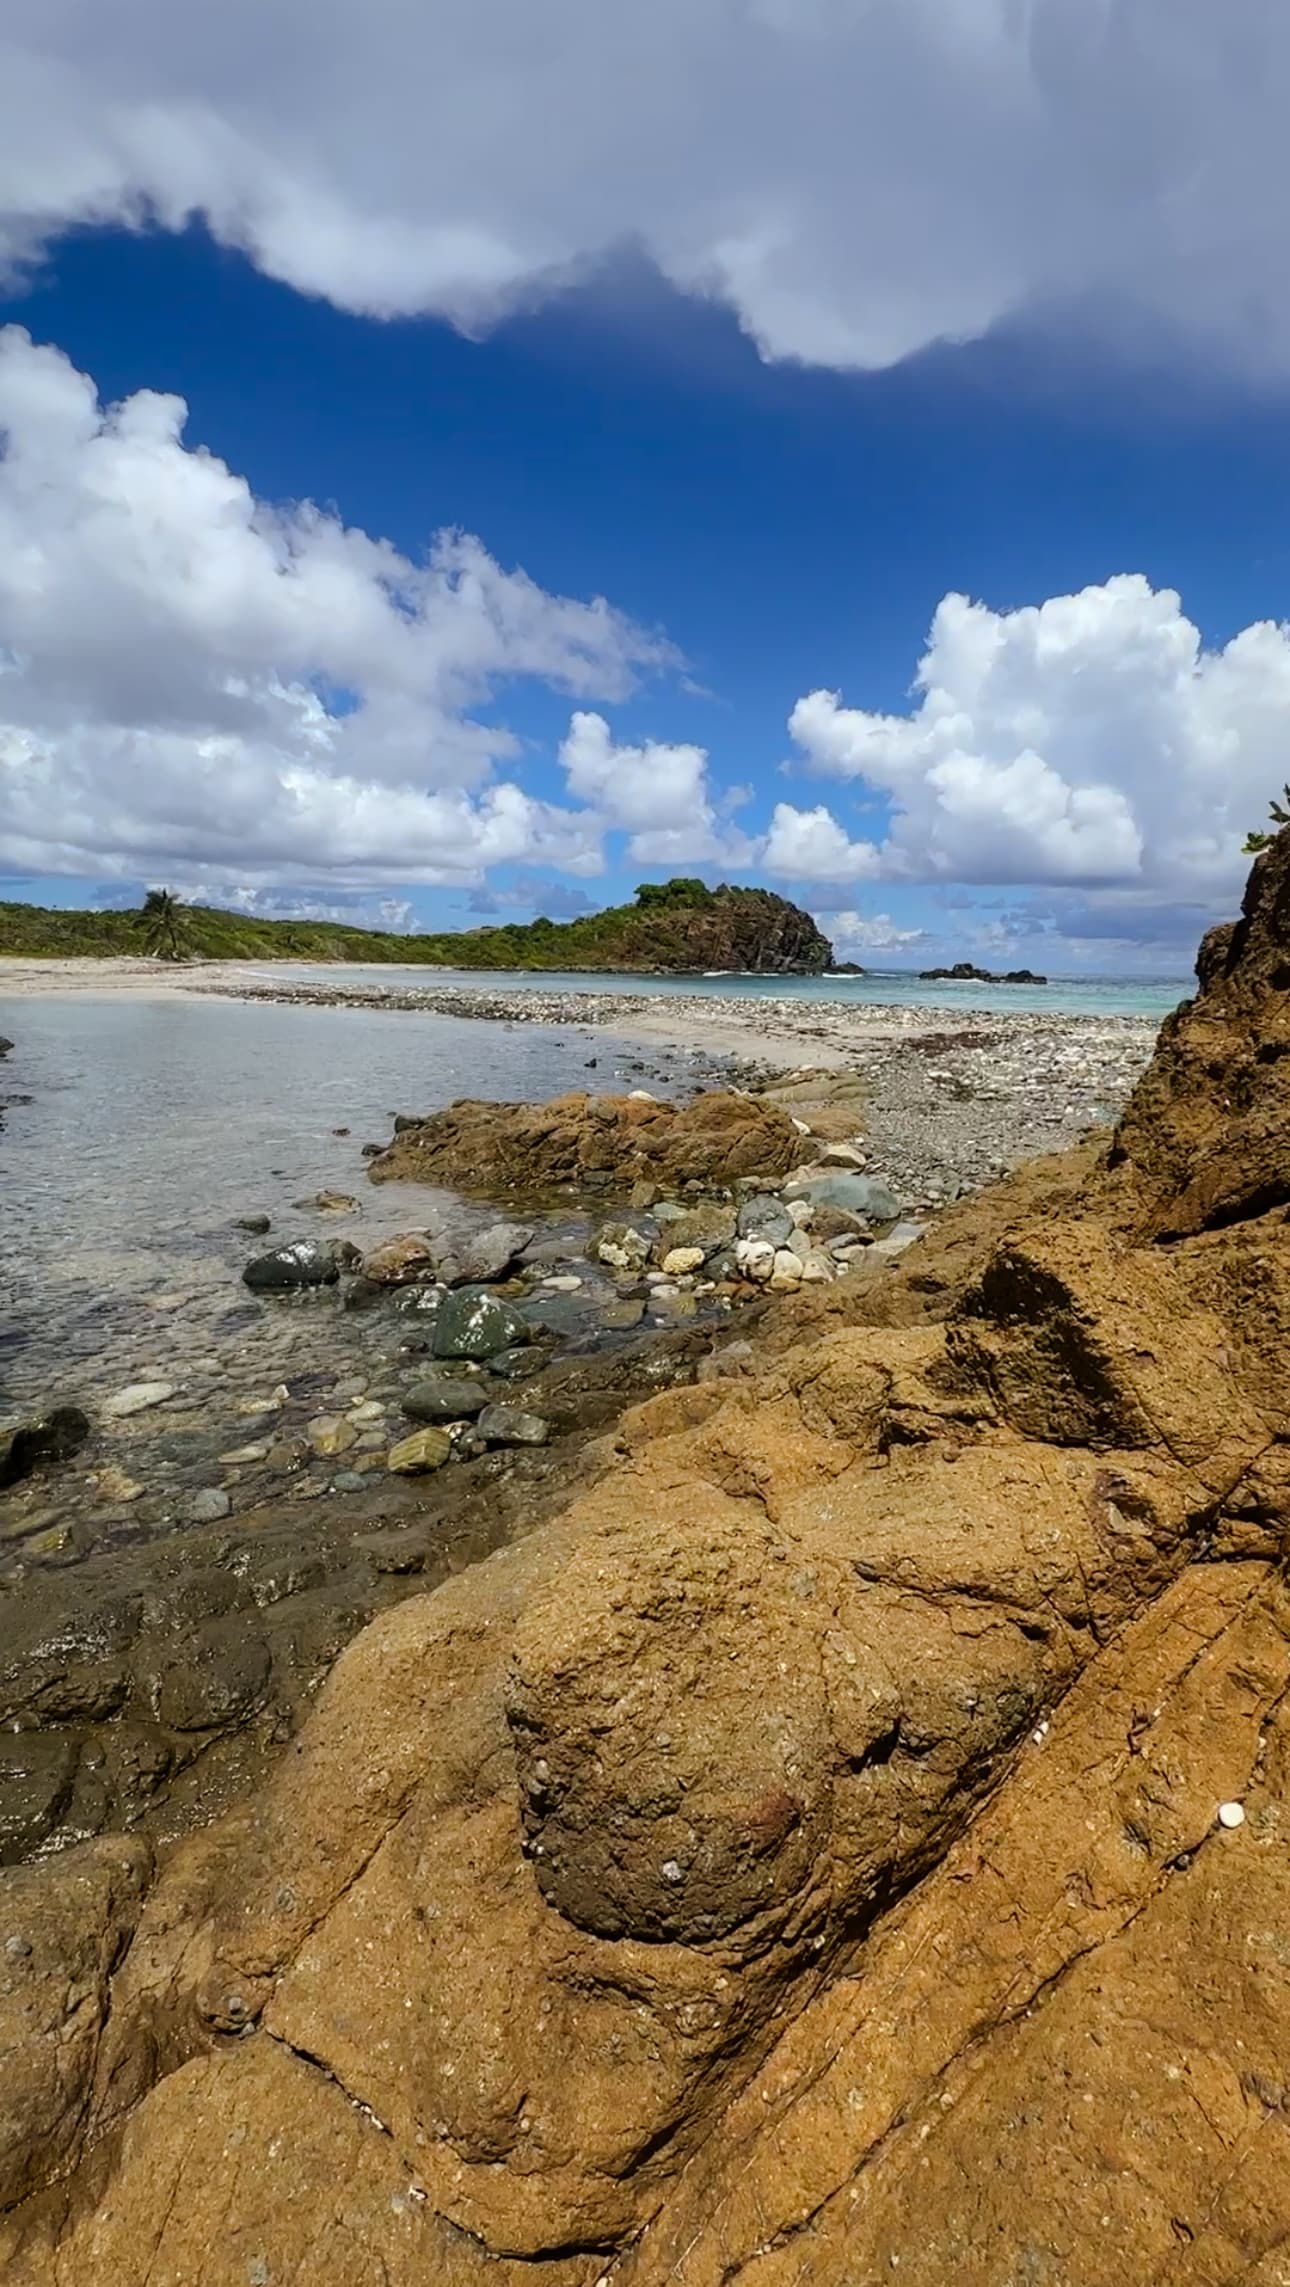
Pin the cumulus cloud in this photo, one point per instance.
(850, 933)
(804, 160)
(658, 792)
(1089, 740)
(190, 677)
(810, 845)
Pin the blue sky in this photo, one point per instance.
(208, 689)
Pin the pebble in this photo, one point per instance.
(241, 1454)
(1231, 1814)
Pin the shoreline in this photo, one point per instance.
(956, 1096)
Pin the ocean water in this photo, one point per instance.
(153, 1123)
(880, 988)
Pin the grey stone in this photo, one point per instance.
(484, 1255)
(767, 1218)
(865, 1195)
(444, 1399)
(257, 1225)
(507, 1425)
(207, 1506)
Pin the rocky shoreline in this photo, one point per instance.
(957, 1097)
(837, 1828)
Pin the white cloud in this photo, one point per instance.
(1091, 739)
(190, 677)
(856, 180)
(810, 845)
(658, 792)
(851, 933)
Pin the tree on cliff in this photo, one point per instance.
(1280, 816)
(162, 926)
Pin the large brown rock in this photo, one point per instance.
(536, 1148)
(1205, 1135)
(802, 1858)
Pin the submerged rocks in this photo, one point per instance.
(303, 1263)
(139, 1398)
(581, 1141)
(475, 1324)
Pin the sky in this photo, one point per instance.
(458, 463)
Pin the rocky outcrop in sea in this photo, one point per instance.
(845, 1843)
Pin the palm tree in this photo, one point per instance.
(161, 924)
(1280, 815)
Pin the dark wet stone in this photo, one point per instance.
(371, 1151)
(472, 1324)
(34, 1444)
(517, 1365)
(394, 1552)
(364, 1294)
(621, 1315)
(444, 1398)
(218, 1676)
(257, 1225)
(37, 1770)
(508, 1425)
(307, 1262)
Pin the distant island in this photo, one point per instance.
(967, 973)
(678, 927)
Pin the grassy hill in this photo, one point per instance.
(679, 925)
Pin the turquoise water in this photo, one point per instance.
(881, 988)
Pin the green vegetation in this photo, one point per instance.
(680, 924)
(1279, 813)
(162, 923)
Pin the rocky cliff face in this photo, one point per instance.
(848, 1844)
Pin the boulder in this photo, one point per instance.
(303, 1263)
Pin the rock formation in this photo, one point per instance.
(848, 1844)
(582, 1142)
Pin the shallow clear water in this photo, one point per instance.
(1070, 996)
(153, 1123)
